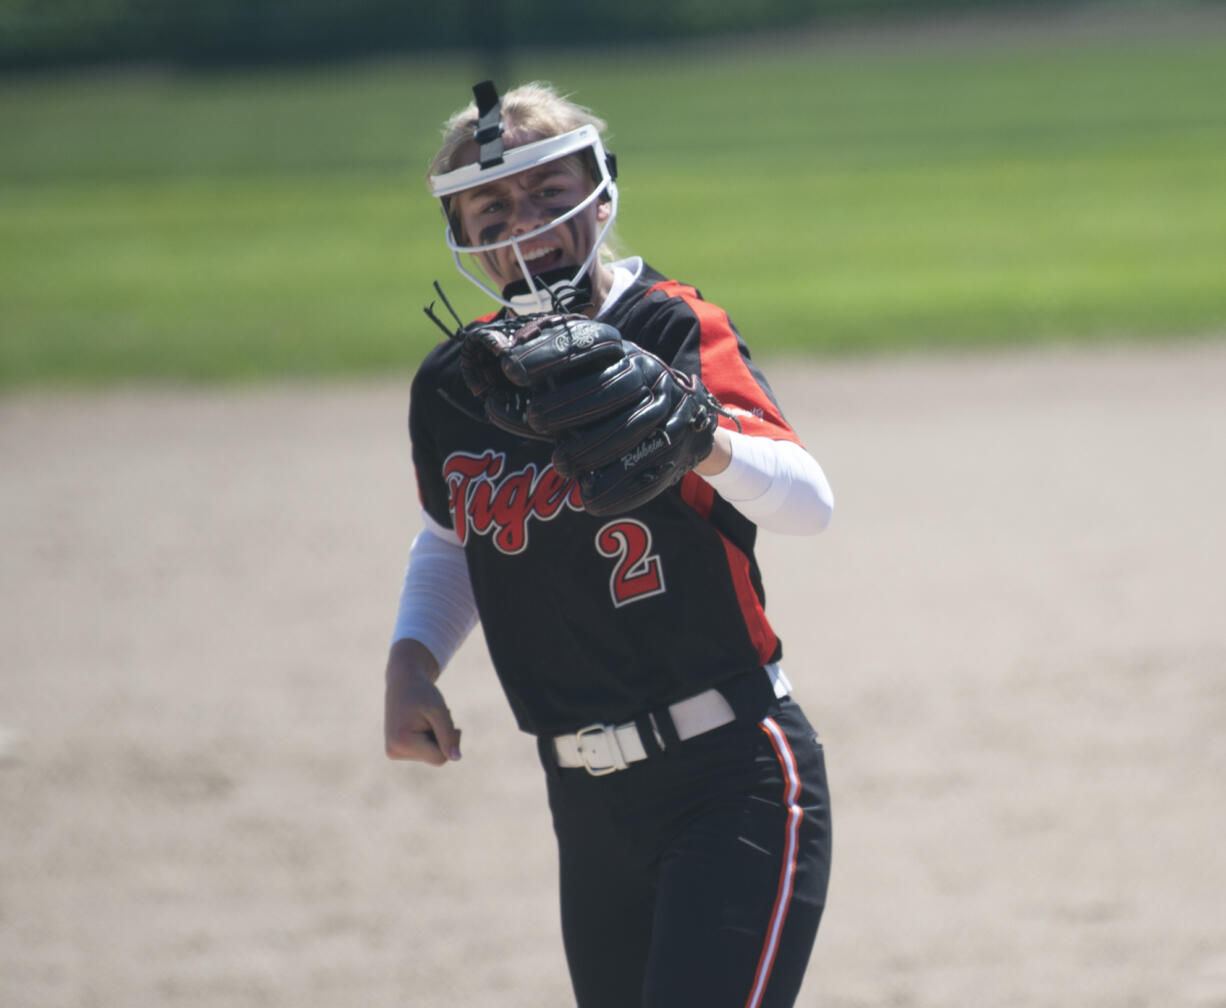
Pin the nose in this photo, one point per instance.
(527, 215)
(525, 222)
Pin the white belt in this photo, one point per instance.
(603, 749)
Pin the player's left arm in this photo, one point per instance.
(757, 462)
(776, 484)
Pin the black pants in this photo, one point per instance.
(697, 876)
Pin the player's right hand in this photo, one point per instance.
(416, 722)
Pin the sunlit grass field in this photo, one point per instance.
(853, 198)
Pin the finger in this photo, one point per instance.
(576, 345)
(587, 398)
(419, 746)
(631, 438)
(416, 737)
(444, 733)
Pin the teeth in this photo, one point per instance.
(538, 254)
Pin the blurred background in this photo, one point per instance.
(985, 245)
(236, 189)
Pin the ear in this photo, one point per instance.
(603, 209)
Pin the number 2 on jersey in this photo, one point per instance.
(638, 573)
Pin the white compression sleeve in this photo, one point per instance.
(436, 604)
(776, 484)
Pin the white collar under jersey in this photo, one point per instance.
(625, 272)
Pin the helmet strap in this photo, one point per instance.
(489, 124)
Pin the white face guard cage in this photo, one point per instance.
(510, 162)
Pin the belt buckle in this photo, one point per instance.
(615, 750)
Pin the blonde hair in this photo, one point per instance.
(534, 111)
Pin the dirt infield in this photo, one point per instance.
(1011, 638)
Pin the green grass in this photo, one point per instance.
(834, 199)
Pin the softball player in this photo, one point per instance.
(687, 788)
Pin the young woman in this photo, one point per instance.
(687, 788)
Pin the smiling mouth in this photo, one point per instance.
(547, 257)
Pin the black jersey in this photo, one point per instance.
(600, 619)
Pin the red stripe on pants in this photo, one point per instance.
(787, 874)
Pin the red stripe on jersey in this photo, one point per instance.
(724, 371)
(787, 873)
(697, 493)
(700, 495)
(760, 632)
